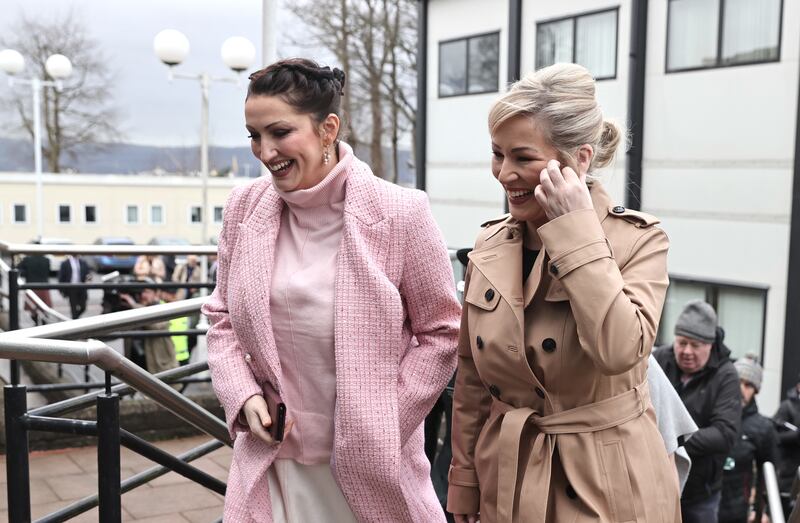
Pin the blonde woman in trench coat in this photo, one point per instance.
(552, 420)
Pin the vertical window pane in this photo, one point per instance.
(750, 31)
(596, 43)
(19, 214)
(483, 63)
(554, 43)
(678, 295)
(217, 214)
(156, 214)
(132, 214)
(693, 28)
(63, 214)
(90, 214)
(741, 314)
(453, 68)
(197, 214)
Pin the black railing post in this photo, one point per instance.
(13, 316)
(17, 471)
(108, 458)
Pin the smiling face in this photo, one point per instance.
(289, 143)
(520, 151)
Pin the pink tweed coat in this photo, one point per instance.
(396, 328)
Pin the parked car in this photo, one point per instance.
(170, 260)
(106, 263)
(55, 259)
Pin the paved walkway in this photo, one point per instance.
(59, 477)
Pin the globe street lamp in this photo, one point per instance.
(238, 53)
(57, 67)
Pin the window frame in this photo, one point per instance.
(13, 213)
(467, 38)
(163, 214)
(138, 214)
(720, 35)
(214, 213)
(96, 214)
(189, 217)
(58, 213)
(712, 287)
(574, 18)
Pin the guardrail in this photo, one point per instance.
(773, 493)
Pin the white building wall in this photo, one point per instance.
(718, 156)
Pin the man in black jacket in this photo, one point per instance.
(698, 365)
(788, 421)
(74, 270)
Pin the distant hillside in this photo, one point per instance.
(17, 155)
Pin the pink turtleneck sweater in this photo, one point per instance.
(302, 308)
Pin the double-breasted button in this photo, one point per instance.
(619, 209)
(494, 391)
(247, 357)
(549, 344)
(553, 269)
(540, 392)
(571, 494)
(479, 342)
(489, 295)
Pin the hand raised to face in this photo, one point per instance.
(561, 190)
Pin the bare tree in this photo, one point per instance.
(82, 111)
(371, 39)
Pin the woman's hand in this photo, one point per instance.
(466, 518)
(257, 416)
(561, 191)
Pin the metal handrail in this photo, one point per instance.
(773, 493)
(35, 248)
(34, 298)
(26, 344)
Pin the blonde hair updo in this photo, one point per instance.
(561, 99)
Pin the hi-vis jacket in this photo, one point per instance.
(552, 420)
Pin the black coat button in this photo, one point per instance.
(540, 392)
(619, 209)
(549, 344)
(494, 391)
(489, 295)
(553, 269)
(479, 342)
(571, 494)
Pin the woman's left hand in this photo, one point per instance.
(561, 191)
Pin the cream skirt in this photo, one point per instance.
(305, 494)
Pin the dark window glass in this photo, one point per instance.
(64, 213)
(197, 214)
(20, 214)
(90, 214)
(483, 64)
(453, 68)
(469, 65)
(217, 214)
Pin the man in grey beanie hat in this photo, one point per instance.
(698, 365)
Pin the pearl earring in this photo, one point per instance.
(326, 155)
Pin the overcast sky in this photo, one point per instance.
(155, 111)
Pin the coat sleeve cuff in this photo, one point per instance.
(463, 493)
(572, 240)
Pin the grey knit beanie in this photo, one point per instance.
(697, 321)
(750, 371)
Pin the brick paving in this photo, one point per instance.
(60, 477)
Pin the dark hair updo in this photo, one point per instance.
(303, 84)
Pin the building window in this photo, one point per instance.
(717, 33)
(90, 214)
(156, 215)
(469, 65)
(741, 312)
(196, 214)
(19, 213)
(218, 214)
(64, 214)
(131, 214)
(589, 39)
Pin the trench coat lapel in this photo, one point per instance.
(258, 236)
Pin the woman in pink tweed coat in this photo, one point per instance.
(335, 293)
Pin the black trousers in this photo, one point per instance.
(77, 302)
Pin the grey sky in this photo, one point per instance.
(154, 110)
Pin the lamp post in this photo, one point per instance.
(238, 54)
(58, 67)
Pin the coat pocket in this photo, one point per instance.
(618, 481)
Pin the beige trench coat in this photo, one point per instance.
(552, 419)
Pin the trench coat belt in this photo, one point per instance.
(535, 486)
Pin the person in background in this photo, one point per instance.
(698, 365)
(159, 353)
(35, 268)
(787, 419)
(74, 270)
(189, 272)
(757, 444)
(180, 342)
(150, 266)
